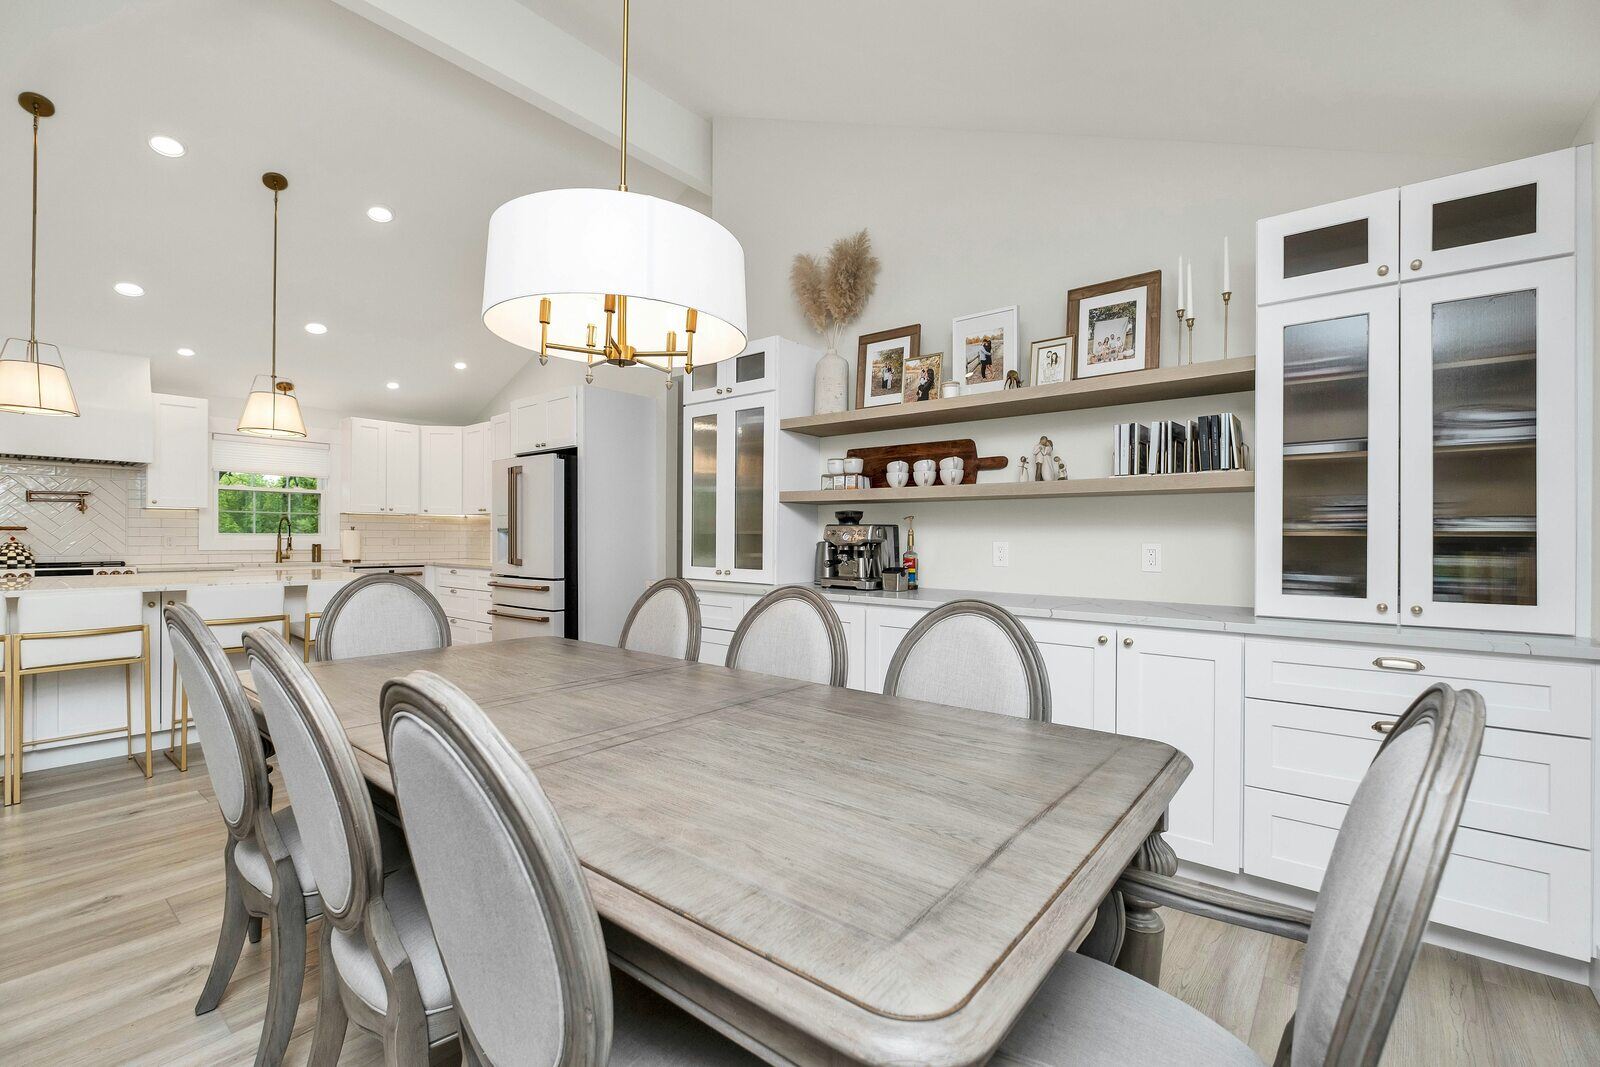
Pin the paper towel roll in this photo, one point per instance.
(350, 545)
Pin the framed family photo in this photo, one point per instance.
(1117, 325)
(984, 347)
(881, 365)
(1052, 360)
(923, 377)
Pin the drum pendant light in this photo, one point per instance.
(614, 277)
(33, 379)
(272, 410)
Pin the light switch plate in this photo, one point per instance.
(1150, 557)
(1002, 553)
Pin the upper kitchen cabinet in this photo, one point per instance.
(475, 459)
(735, 462)
(382, 467)
(1353, 244)
(546, 421)
(500, 436)
(402, 458)
(442, 470)
(755, 370)
(1510, 213)
(180, 474)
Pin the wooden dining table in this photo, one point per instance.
(825, 875)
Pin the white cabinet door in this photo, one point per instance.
(180, 474)
(1509, 213)
(1488, 536)
(500, 437)
(442, 467)
(1353, 244)
(714, 646)
(402, 459)
(561, 419)
(1080, 660)
(730, 498)
(853, 618)
(1327, 431)
(527, 424)
(366, 452)
(886, 628)
(475, 469)
(755, 370)
(1186, 689)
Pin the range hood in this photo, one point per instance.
(117, 420)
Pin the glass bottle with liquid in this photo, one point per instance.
(908, 560)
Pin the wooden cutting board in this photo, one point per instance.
(876, 459)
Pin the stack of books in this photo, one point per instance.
(1208, 443)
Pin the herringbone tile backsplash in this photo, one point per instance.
(118, 526)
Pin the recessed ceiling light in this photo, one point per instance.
(170, 147)
(460, 365)
(316, 327)
(128, 289)
(392, 385)
(185, 352)
(379, 213)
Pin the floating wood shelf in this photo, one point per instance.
(1139, 484)
(1134, 387)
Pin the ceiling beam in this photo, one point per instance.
(511, 47)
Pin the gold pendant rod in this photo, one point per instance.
(33, 266)
(622, 179)
(274, 300)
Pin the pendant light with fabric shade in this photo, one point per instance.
(272, 410)
(609, 276)
(33, 379)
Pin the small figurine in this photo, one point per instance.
(1013, 380)
(1024, 469)
(1061, 470)
(1044, 460)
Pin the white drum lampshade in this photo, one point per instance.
(31, 383)
(271, 410)
(575, 247)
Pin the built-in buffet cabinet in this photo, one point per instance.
(1417, 403)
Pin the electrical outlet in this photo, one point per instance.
(1002, 553)
(169, 541)
(1150, 557)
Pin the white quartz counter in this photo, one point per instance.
(1213, 617)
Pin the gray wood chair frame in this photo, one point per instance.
(691, 604)
(321, 647)
(289, 905)
(403, 1027)
(1035, 675)
(1400, 917)
(452, 719)
(839, 669)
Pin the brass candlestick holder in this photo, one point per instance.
(1180, 339)
(1190, 323)
(1227, 295)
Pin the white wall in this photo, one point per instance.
(965, 221)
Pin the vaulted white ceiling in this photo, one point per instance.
(352, 115)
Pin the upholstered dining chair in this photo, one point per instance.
(792, 632)
(517, 929)
(665, 620)
(378, 614)
(266, 874)
(380, 967)
(1360, 943)
(971, 654)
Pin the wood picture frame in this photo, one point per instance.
(1139, 326)
(881, 348)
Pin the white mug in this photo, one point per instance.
(898, 465)
(898, 479)
(951, 463)
(925, 465)
(950, 475)
(925, 476)
(853, 464)
(835, 466)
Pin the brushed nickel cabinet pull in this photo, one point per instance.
(1416, 264)
(1103, 639)
(1384, 726)
(1398, 663)
(1383, 271)
(1127, 642)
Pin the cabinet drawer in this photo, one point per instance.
(714, 646)
(461, 578)
(722, 611)
(530, 594)
(464, 605)
(1519, 694)
(1526, 784)
(469, 632)
(1526, 892)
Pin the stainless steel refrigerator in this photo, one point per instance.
(534, 546)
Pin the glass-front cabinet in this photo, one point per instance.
(1353, 244)
(751, 371)
(1327, 503)
(1508, 213)
(729, 496)
(1488, 466)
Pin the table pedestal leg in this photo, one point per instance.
(1143, 928)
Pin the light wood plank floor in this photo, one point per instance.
(111, 896)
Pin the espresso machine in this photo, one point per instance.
(853, 554)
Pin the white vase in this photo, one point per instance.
(832, 385)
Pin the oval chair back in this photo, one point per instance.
(665, 621)
(792, 632)
(378, 614)
(971, 654)
(1382, 879)
(511, 912)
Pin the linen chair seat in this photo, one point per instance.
(650, 1031)
(360, 972)
(1090, 1012)
(86, 610)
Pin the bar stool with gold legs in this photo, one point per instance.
(317, 596)
(229, 610)
(77, 631)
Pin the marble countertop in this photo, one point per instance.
(163, 581)
(1223, 618)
